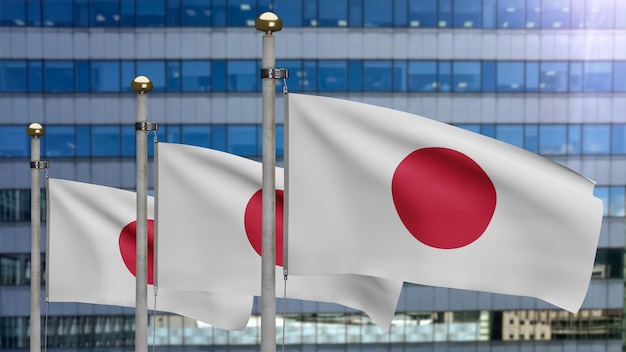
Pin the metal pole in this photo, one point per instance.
(268, 23)
(141, 85)
(35, 130)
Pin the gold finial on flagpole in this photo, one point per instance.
(141, 85)
(268, 22)
(35, 130)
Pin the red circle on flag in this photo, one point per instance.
(253, 223)
(443, 197)
(128, 248)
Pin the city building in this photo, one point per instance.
(546, 75)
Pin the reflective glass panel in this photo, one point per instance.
(218, 13)
(333, 76)
(58, 76)
(173, 79)
(172, 133)
(466, 76)
(196, 76)
(355, 75)
(127, 10)
(377, 76)
(445, 13)
(241, 75)
(532, 76)
(531, 140)
(106, 141)
(12, 13)
(510, 76)
(600, 14)
(35, 76)
(555, 14)
(196, 13)
(598, 76)
(533, 13)
(377, 13)
(105, 76)
(574, 137)
(13, 76)
(241, 13)
(291, 12)
(616, 207)
(33, 12)
(422, 76)
(104, 13)
(218, 72)
(198, 135)
(445, 76)
(310, 13)
(490, 13)
(128, 75)
(58, 13)
(423, 13)
(309, 75)
(553, 139)
(576, 76)
(60, 141)
(173, 13)
(241, 140)
(355, 13)
(553, 77)
(129, 140)
(333, 13)
(13, 141)
(619, 76)
(81, 76)
(467, 13)
(488, 76)
(399, 76)
(511, 14)
(596, 139)
(83, 140)
(218, 137)
(400, 15)
(511, 134)
(150, 13)
(618, 139)
(488, 129)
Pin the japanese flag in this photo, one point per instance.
(380, 192)
(210, 235)
(91, 257)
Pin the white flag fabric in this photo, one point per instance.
(210, 230)
(380, 192)
(90, 257)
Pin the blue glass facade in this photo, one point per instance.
(64, 76)
(544, 75)
(466, 14)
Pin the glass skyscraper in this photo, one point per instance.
(545, 75)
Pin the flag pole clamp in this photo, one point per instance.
(276, 73)
(39, 164)
(146, 126)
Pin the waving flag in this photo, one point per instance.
(91, 257)
(380, 192)
(210, 235)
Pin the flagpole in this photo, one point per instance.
(141, 85)
(35, 130)
(268, 22)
